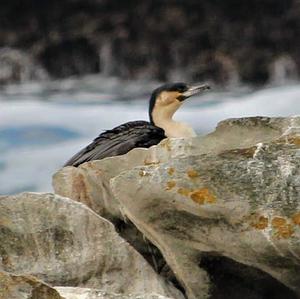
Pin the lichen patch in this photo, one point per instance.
(285, 232)
(171, 171)
(283, 229)
(296, 218)
(278, 222)
(170, 185)
(203, 196)
(261, 222)
(289, 139)
(192, 174)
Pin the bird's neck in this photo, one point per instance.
(171, 127)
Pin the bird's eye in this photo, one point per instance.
(182, 88)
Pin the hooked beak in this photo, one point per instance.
(195, 89)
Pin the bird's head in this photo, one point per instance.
(166, 99)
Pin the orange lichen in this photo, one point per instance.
(192, 173)
(294, 140)
(260, 223)
(291, 139)
(170, 185)
(278, 222)
(296, 218)
(171, 171)
(184, 191)
(283, 229)
(202, 196)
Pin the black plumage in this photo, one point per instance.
(119, 141)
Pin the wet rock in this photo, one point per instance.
(85, 293)
(63, 242)
(25, 287)
(233, 194)
(17, 66)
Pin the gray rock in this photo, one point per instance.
(208, 197)
(63, 242)
(232, 194)
(25, 287)
(85, 293)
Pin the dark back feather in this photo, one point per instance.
(119, 141)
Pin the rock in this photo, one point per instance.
(232, 195)
(89, 183)
(85, 293)
(25, 287)
(63, 242)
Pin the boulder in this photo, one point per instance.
(223, 209)
(65, 243)
(86, 293)
(25, 287)
(236, 195)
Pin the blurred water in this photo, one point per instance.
(42, 125)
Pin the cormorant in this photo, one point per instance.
(164, 102)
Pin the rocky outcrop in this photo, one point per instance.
(85, 293)
(226, 42)
(227, 201)
(241, 203)
(25, 287)
(223, 210)
(63, 242)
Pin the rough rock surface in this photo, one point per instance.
(233, 204)
(85, 293)
(233, 194)
(25, 287)
(63, 242)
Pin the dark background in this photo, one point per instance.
(226, 41)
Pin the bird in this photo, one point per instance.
(164, 102)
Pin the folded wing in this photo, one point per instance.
(119, 141)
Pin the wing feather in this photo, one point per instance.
(119, 141)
